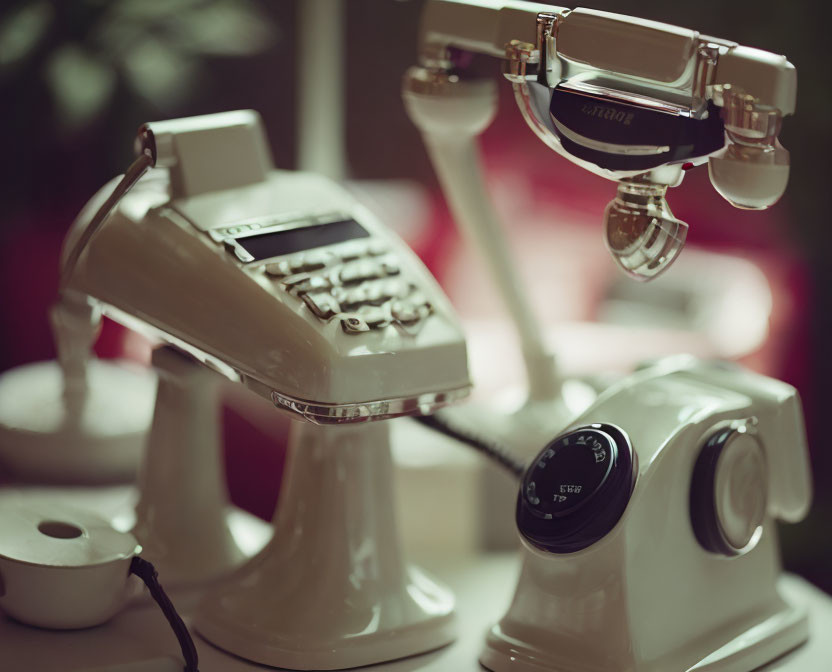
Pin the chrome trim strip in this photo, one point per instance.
(604, 93)
(320, 413)
(335, 414)
(608, 147)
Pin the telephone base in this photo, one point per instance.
(417, 619)
(333, 588)
(759, 644)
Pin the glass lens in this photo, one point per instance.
(642, 234)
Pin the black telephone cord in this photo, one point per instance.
(147, 573)
(443, 422)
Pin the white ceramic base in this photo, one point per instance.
(40, 441)
(331, 590)
(761, 643)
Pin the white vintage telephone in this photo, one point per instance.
(648, 523)
(649, 529)
(281, 281)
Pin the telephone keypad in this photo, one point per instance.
(406, 313)
(310, 261)
(390, 267)
(375, 317)
(367, 269)
(352, 324)
(374, 293)
(352, 251)
(304, 283)
(322, 304)
(360, 282)
(279, 269)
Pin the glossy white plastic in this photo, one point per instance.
(60, 567)
(648, 597)
(232, 313)
(332, 589)
(649, 52)
(482, 26)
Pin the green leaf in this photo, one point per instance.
(159, 74)
(80, 84)
(22, 31)
(221, 29)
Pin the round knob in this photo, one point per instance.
(728, 496)
(576, 489)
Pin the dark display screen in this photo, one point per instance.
(278, 243)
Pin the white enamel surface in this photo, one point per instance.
(482, 26)
(61, 567)
(332, 590)
(769, 77)
(237, 315)
(181, 516)
(282, 192)
(647, 597)
(591, 43)
(746, 184)
(103, 442)
(626, 44)
(140, 638)
(212, 151)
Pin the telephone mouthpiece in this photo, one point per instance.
(641, 232)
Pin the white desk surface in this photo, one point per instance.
(483, 586)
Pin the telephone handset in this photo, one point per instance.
(277, 278)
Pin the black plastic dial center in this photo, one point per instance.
(569, 472)
(576, 489)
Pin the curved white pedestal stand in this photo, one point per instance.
(183, 510)
(331, 590)
(573, 613)
(78, 419)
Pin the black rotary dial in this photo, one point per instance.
(576, 489)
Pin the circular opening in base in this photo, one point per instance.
(59, 530)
